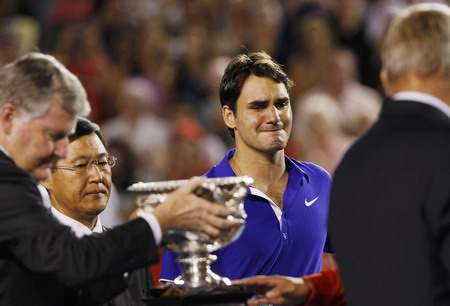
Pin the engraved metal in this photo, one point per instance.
(194, 250)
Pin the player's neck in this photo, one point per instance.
(263, 168)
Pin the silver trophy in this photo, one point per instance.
(195, 251)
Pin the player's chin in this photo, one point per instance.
(278, 143)
(275, 147)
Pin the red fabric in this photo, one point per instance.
(156, 269)
(327, 289)
(69, 10)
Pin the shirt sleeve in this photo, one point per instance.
(154, 225)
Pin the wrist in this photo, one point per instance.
(304, 289)
(162, 218)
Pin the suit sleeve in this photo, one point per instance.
(34, 239)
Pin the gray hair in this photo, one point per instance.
(34, 80)
(418, 41)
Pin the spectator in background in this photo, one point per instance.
(191, 151)
(80, 49)
(353, 107)
(263, 25)
(210, 116)
(349, 21)
(318, 135)
(140, 126)
(186, 155)
(18, 35)
(315, 43)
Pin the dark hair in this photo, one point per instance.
(86, 127)
(238, 70)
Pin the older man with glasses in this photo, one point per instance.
(79, 188)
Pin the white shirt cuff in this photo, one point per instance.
(154, 225)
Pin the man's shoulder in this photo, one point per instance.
(9, 172)
(308, 168)
(222, 169)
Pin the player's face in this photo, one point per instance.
(263, 117)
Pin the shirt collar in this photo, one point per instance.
(4, 151)
(77, 227)
(224, 168)
(421, 97)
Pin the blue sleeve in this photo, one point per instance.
(170, 269)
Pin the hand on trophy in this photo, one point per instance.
(185, 211)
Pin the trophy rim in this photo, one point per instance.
(171, 185)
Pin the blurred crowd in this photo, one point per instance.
(151, 69)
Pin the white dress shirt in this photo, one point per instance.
(421, 97)
(77, 227)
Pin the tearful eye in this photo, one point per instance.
(80, 166)
(103, 163)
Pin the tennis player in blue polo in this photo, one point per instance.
(287, 205)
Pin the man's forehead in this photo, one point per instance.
(88, 145)
(263, 90)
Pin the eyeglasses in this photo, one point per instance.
(104, 164)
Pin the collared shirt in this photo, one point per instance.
(288, 241)
(77, 227)
(421, 97)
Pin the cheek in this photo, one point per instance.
(41, 147)
(287, 117)
(250, 119)
(108, 182)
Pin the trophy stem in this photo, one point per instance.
(197, 272)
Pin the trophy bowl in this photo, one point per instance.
(195, 251)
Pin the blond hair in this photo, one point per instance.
(418, 41)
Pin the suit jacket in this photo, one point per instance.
(389, 216)
(114, 291)
(39, 257)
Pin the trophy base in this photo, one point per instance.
(232, 295)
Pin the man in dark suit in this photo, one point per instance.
(79, 189)
(390, 202)
(39, 257)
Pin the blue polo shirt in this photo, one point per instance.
(290, 244)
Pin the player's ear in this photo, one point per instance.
(228, 116)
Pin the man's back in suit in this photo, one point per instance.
(390, 203)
